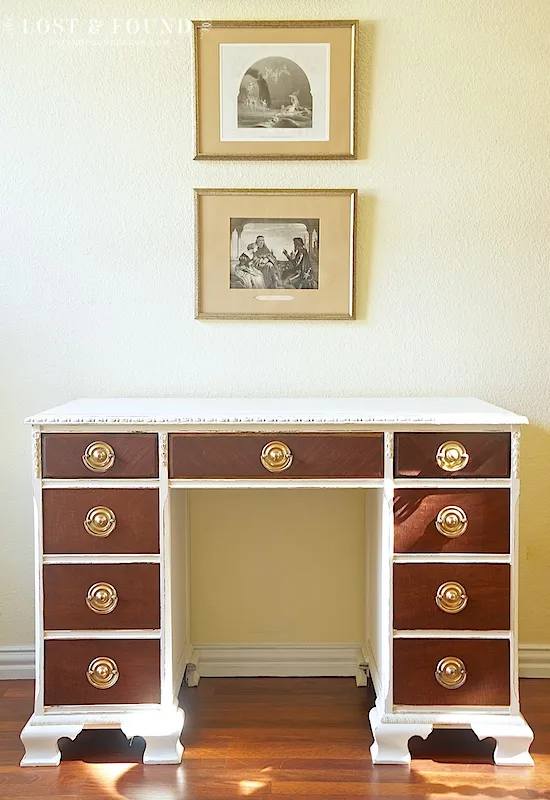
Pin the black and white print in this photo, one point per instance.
(275, 93)
(270, 253)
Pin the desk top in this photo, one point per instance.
(231, 411)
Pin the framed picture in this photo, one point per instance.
(275, 253)
(275, 90)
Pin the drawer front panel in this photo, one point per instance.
(135, 513)
(417, 513)
(135, 665)
(312, 455)
(436, 455)
(483, 605)
(119, 596)
(126, 455)
(487, 664)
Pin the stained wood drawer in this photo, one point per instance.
(101, 596)
(312, 455)
(136, 662)
(430, 596)
(459, 521)
(100, 521)
(479, 455)
(126, 455)
(487, 663)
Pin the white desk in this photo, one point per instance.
(112, 567)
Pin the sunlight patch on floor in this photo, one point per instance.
(108, 775)
(249, 787)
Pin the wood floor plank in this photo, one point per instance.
(289, 739)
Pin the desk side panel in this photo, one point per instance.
(180, 590)
(376, 629)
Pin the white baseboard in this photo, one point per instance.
(534, 660)
(225, 660)
(16, 663)
(276, 660)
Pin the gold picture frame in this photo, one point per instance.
(275, 253)
(275, 89)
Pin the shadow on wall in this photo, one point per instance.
(366, 210)
(534, 541)
(364, 58)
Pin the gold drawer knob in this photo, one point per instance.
(100, 521)
(102, 598)
(451, 597)
(102, 673)
(99, 457)
(276, 457)
(452, 456)
(451, 521)
(451, 672)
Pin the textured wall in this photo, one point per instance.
(453, 280)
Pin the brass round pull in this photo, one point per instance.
(451, 672)
(102, 598)
(452, 456)
(102, 673)
(451, 521)
(451, 597)
(100, 521)
(276, 457)
(99, 457)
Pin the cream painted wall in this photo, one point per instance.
(277, 566)
(453, 278)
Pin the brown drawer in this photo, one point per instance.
(461, 521)
(313, 455)
(430, 596)
(66, 665)
(479, 455)
(487, 663)
(101, 596)
(127, 455)
(82, 520)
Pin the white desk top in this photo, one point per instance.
(354, 410)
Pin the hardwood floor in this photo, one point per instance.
(299, 738)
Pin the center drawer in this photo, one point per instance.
(101, 596)
(280, 455)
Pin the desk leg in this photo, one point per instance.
(391, 739)
(362, 674)
(191, 676)
(161, 733)
(513, 738)
(41, 742)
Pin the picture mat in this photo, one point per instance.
(208, 143)
(235, 59)
(336, 219)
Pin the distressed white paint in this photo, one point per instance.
(278, 411)
(160, 729)
(392, 725)
(392, 733)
